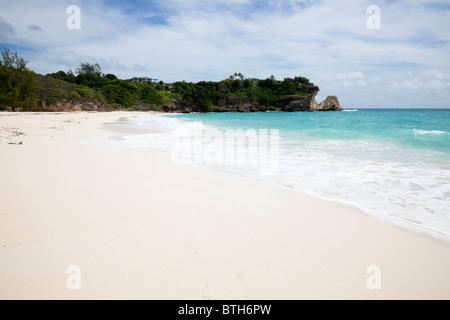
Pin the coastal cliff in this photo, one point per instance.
(64, 106)
(61, 92)
(22, 89)
(60, 96)
(293, 103)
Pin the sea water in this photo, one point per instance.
(392, 164)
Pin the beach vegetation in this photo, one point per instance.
(18, 84)
(89, 69)
(86, 93)
(21, 88)
(63, 76)
(109, 89)
(56, 89)
(75, 95)
(150, 95)
(204, 95)
(56, 93)
(265, 91)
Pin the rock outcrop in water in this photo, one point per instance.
(331, 103)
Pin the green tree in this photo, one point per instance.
(18, 85)
(120, 92)
(150, 95)
(207, 94)
(237, 76)
(91, 69)
(111, 76)
(61, 75)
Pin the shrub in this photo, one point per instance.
(75, 95)
(18, 85)
(150, 95)
(86, 93)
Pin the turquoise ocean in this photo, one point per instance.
(394, 164)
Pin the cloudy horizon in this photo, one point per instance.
(403, 64)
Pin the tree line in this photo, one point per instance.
(265, 92)
(18, 84)
(118, 93)
(19, 87)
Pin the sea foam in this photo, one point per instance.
(424, 132)
(361, 161)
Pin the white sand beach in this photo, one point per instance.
(140, 227)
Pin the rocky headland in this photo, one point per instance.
(238, 104)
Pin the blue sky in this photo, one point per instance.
(406, 63)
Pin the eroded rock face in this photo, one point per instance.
(178, 106)
(70, 106)
(313, 102)
(292, 104)
(239, 104)
(145, 107)
(331, 103)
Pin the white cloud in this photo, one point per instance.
(352, 79)
(434, 73)
(432, 79)
(418, 84)
(351, 75)
(326, 41)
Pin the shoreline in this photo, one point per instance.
(392, 220)
(142, 227)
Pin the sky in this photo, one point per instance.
(402, 63)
